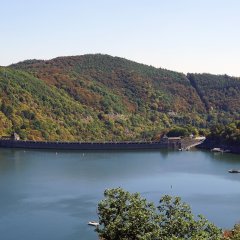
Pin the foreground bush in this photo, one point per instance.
(126, 216)
(233, 234)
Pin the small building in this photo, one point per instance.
(174, 139)
(14, 137)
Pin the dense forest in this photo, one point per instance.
(220, 95)
(226, 134)
(104, 98)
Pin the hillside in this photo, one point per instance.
(99, 97)
(220, 95)
(88, 77)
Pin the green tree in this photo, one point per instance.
(7, 110)
(178, 132)
(178, 222)
(233, 234)
(123, 215)
(126, 216)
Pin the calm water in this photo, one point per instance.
(49, 195)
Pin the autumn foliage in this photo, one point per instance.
(103, 98)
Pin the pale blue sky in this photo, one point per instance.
(182, 35)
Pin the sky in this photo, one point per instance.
(181, 35)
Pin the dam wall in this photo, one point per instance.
(90, 145)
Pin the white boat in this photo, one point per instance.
(217, 150)
(93, 223)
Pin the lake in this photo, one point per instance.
(53, 195)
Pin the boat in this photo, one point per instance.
(93, 223)
(217, 150)
(234, 171)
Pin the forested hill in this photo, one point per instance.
(99, 97)
(220, 95)
(89, 78)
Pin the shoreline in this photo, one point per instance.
(210, 144)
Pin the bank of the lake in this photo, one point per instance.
(52, 195)
(210, 144)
